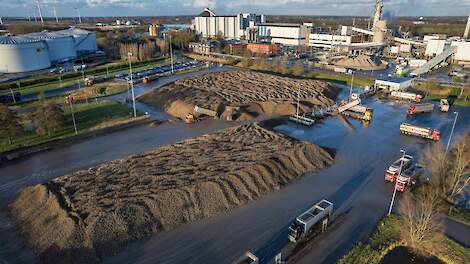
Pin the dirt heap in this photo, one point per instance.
(252, 93)
(361, 62)
(81, 217)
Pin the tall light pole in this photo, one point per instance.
(352, 81)
(132, 83)
(452, 131)
(395, 186)
(298, 100)
(171, 55)
(73, 116)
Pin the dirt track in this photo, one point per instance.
(253, 92)
(81, 217)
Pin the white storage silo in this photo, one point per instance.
(61, 47)
(85, 41)
(20, 54)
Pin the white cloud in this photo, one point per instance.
(204, 3)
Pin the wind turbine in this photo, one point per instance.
(79, 16)
(55, 14)
(40, 13)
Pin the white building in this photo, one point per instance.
(328, 41)
(463, 52)
(285, 34)
(435, 47)
(393, 83)
(210, 25)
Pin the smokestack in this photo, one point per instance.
(467, 29)
(378, 12)
(1, 21)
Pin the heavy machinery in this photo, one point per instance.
(359, 112)
(406, 96)
(444, 105)
(247, 258)
(411, 176)
(150, 78)
(316, 216)
(423, 132)
(420, 108)
(203, 113)
(391, 174)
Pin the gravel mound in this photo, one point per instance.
(253, 92)
(84, 216)
(361, 62)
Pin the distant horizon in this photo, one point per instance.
(146, 8)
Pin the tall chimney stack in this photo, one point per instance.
(467, 29)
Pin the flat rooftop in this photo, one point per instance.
(394, 79)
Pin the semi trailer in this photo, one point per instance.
(420, 108)
(316, 216)
(407, 96)
(417, 131)
(411, 176)
(404, 162)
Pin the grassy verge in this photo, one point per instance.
(53, 83)
(438, 92)
(461, 215)
(87, 117)
(385, 238)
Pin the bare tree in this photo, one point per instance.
(421, 219)
(10, 125)
(298, 68)
(48, 119)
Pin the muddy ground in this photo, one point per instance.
(252, 92)
(84, 216)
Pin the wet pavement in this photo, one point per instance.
(354, 184)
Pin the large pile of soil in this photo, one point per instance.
(81, 217)
(253, 92)
(361, 62)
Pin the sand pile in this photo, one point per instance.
(361, 62)
(254, 93)
(81, 217)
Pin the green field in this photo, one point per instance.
(51, 81)
(87, 116)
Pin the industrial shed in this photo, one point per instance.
(19, 54)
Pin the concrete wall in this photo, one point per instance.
(24, 57)
(209, 27)
(463, 52)
(327, 40)
(435, 47)
(291, 35)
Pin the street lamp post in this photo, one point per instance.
(452, 131)
(352, 81)
(171, 56)
(73, 116)
(395, 186)
(132, 83)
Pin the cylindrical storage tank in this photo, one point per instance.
(61, 47)
(19, 54)
(85, 41)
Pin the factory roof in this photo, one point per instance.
(45, 35)
(15, 40)
(73, 31)
(394, 79)
(280, 24)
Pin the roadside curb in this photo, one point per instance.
(458, 221)
(26, 151)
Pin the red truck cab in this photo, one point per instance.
(436, 135)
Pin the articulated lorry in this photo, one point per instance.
(359, 112)
(411, 176)
(407, 96)
(420, 108)
(404, 162)
(317, 216)
(424, 132)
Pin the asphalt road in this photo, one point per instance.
(354, 183)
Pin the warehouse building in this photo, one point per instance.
(210, 25)
(40, 50)
(285, 34)
(392, 84)
(462, 54)
(328, 41)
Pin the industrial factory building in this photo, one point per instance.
(40, 50)
(210, 25)
(285, 34)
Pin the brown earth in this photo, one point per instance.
(84, 216)
(361, 62)
(253, 93)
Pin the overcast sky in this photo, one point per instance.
(192, 7)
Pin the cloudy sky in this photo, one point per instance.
(191, 7)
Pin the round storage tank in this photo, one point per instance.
(85, 41)
(61, 47)
(20, 54)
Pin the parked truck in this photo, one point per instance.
(406, 96)
(404, 162)
(411, 176)
(444, 105)
(359, 112)
(247, 258)
(417, 131)
(420, 108)
(305, 224)
(150, 78)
